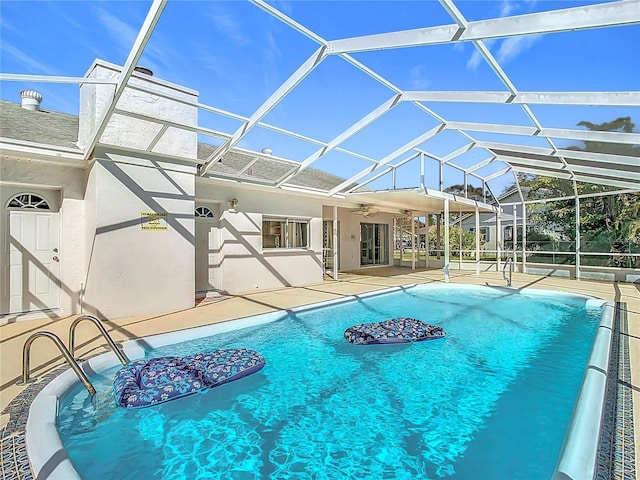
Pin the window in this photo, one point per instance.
(203, 212)
(508, 233)
(285, 233)
(484, 233)
(28, 200)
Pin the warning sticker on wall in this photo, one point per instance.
(153, 220)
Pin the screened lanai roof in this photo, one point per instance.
(412, 96)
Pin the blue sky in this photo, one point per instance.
(236, 55)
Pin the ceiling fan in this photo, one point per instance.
(365, 211)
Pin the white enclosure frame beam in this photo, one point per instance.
(234, 116)
(579, 178)
(389, 158)
(497, 174)
(274, 12)
(612, 99)
(19, 77)
(604, 158)
(305, 69)
(169, 123)
(150, 22)
(481, 164)
(600, 172)
(345, 135)
(562, 133)
(450, 156)
(570, 19)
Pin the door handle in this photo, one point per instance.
(55, 250)
(55, 258)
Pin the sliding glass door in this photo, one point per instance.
(374, 244)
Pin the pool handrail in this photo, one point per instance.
(26, 360)
(72, 337)
(508, 263)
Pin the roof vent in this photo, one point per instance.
(30, 100)
(267, 151)
(143, 70)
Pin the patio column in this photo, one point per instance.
(426, 240)
(335, 242)
(413, 242)
(578, 240)
(477, 241)
(498, 240)
(446, 240)
(394, 238)
(515, 238)
(438, 243)
(460, 240)
(524, 238)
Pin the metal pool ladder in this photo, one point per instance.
(68, 353)
(508, 263)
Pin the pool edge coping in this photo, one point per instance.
(48, 457)
(579, 454)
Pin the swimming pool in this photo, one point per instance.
(491, 400)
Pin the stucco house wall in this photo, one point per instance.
(112, 263)
(243, 262)
(136, 267)
(350, 236)
(63, 187)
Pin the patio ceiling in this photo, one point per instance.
(616, 170)
(419, 202)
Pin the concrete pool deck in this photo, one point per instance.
(45, 358)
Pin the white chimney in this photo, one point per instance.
(172, 103)
(30, 100)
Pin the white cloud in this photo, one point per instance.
(507, 7)
(272, 55)
(418, 77)
(122, 33)
(31, 64)
(285, 7)
(229, 26)
(514, 46)
(474, 60)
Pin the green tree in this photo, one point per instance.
(468, 240)
(476, 193)
(608, 223)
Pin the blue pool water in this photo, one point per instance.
(492, 400)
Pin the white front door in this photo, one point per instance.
(207, 255)
(31, 260)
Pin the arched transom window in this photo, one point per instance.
(28, 200)
(204, 212)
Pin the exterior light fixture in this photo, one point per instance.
(233, 202)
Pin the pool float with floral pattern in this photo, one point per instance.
(395, 330)
(147, 382)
